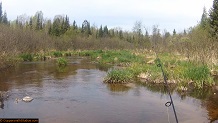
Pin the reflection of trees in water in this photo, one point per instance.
(103, 67)
(211, 105)
(63, 72)
(1, 103)
(3, 96)
(208, 99)
(201, 94)
(117, 87)
(159, 88)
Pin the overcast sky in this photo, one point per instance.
(167, 14)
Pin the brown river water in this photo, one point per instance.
(77, 94)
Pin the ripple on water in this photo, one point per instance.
(78, 94)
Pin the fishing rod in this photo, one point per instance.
(169, 103)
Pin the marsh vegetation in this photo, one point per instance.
(189, 57)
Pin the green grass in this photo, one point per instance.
(199, 74)
(57, 53)
(112, 56)
(119, 76)
(182, 72)
(61, 61)
(27, 57)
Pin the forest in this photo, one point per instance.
(35, 35)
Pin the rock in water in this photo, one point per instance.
(27, 99)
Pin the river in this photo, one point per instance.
(77, 94)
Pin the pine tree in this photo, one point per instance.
(121, 34)
(0, 12)
(39, 20)
(112, 33)
(38, 23)
(50, 30)
(100, 32)
(31, 23)
(4, 18)
(74, 25)
(185, 33)
(66, 23)
(56, 28)
(86, 29)
(17, 22)
(146, 34)
(204, 19)
(213, 19)
(105, 34)
(174, 32)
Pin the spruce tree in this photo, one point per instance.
(105, 31)
(5, 18)
(38, 23)
(214, 19)
(74, 25)
(185, 33)
(100, 33)
(121, 34)
(204, 19)
(67, 23)
(1, 12)
(86, 29)
(174, 32)
(31, 23)
(56, 27)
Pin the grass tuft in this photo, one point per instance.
(120, 76)
(27, 57)
(62, 62)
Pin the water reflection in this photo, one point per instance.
(76, 93)
(118, 88)
(159, 88)
(207, 96)
(211, 105)
(1, 103)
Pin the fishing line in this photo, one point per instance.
(169, 103)
(168, 115)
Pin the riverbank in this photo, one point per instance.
(130, 66)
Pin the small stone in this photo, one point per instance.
(27, 99)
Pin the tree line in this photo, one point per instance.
(62, 35)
